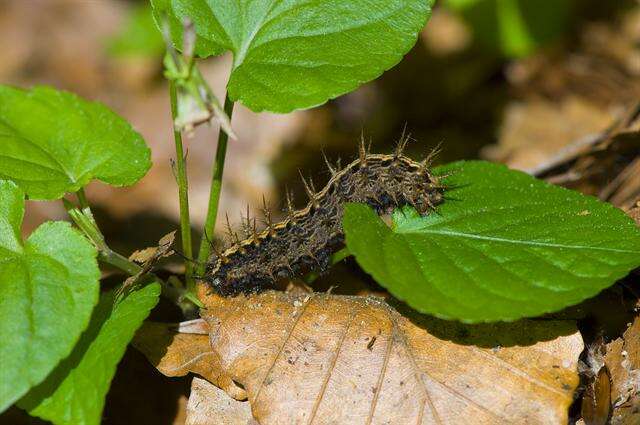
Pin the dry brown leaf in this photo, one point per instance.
(536, 131)
(148, 257)
(606, 166)
(623, 361)
(336, 359)
(634, 213)
(173, 353)
(596, 399)
(624, 189)
(210, 405)
(176, 351)
(537, 138)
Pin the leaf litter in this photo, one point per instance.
(622, 359)
(318, 358)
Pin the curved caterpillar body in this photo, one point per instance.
(305, 240)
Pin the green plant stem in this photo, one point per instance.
(183, 194)
(336, 257)
(119, 261)
(214, 194)
(85, 221)
(82, 199)
(87, 224)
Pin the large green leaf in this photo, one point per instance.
(502, 246)
(299, 53)
(48, 287)
(74, 393)
(55, 142)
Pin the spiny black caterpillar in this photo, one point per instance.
(304, 241)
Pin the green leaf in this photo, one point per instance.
(515, 28)
(502, 246)
(299, 53)
(55, 142)
(75, 392)
(162, 11)
(48, 287)
(139, 35)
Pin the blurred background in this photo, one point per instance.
(513, 81)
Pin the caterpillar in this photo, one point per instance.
(306, 238)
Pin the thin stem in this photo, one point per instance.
(85, 221)
(193, 298)
(82, 198)
(183, 193)
(336, 257)
(119, 261)
(214, 194)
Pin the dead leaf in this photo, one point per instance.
(623, 360)
(176, 351)
(173, 353)
(535, 132)
(621, 140)
(624, 189)
(196, 326)
(148, 257)
(634, 213)
(337, 359)
(142, 255)
(596, 400)
(562, 144)
(606, 165)
(210, 405)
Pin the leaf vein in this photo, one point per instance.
(530, 243)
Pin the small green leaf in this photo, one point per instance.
(502, 246)
(299, 53)
(55, 142)
(48, 287)
(74, 393)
